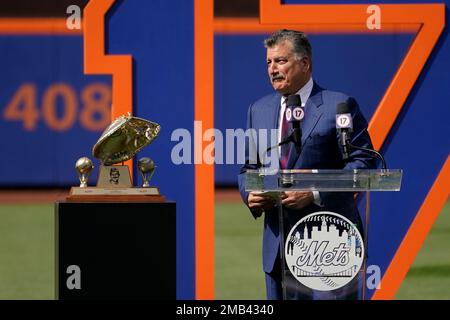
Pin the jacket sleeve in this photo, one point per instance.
(251, 159)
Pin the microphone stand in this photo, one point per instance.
(285, 141)
(383, 161)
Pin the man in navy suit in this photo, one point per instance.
(289, 63)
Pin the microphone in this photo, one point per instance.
(344, 124)
(294, 114)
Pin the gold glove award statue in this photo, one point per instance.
(124, 137)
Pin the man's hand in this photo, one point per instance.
(296, 199)
(259, 202)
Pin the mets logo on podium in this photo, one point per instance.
(324, 251)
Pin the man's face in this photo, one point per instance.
(114, 176)
(287, 73)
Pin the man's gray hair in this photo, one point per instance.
(299, 41)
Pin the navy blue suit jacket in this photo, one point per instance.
(320, 150)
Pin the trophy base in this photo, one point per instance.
(95, 194)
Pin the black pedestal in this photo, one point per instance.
(115, 250)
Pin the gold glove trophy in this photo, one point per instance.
(124, 137)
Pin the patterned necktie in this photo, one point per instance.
(285, 132)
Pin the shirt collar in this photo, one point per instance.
(304, 92)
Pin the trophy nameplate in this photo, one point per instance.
(123, 138)
(114, 177)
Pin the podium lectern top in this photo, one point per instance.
(323, 180)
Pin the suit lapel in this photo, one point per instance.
(271, 114)
(312, 116)
(275, 109)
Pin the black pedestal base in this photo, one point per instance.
(115, 250)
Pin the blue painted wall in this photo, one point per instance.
(162, 49)
(162, 45)
(37, 155)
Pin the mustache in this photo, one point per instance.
(276, 76)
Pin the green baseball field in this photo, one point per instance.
(27, 254)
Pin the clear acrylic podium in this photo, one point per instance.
(323, 254)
